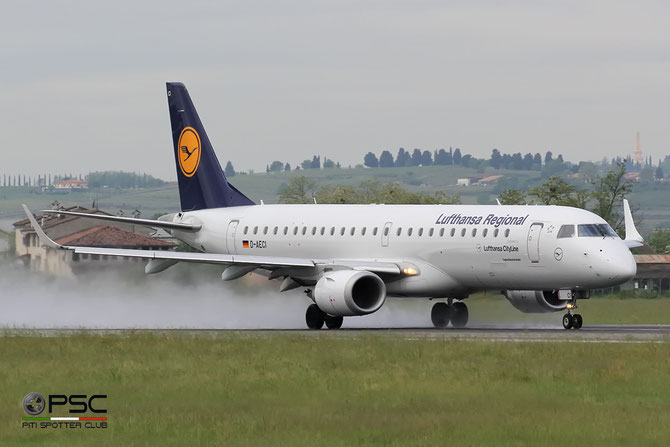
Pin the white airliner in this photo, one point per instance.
(349, 258)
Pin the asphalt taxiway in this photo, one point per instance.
(587, 334)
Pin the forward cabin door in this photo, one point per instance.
(230, 237)
(534, 242)
(386, 232)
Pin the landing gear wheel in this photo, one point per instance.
(440, 315)
(568, 321)
(314, 317)
(460, 315)
(577, 321)
(334, 322)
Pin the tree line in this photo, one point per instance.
(304, 190)
(110, 179)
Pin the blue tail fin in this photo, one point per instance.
(202, 183)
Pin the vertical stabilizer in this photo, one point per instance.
(202, 183)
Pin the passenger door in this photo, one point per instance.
(230, 237)
(534, 242)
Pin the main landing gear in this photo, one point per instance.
(443, 313)
(572, 320)
(315, 318)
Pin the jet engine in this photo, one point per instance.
(349, 292)
(535, 301)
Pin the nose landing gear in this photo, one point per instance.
(572, 320)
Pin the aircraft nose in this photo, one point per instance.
(622, 267)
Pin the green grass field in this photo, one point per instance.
(241, 389)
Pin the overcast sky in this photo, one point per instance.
(83, 81)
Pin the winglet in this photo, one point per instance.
(40, 232)
(633, 238)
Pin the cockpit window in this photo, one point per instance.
(606, 229)
(595, 230)
(566, 231)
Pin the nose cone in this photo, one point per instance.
(622, 268)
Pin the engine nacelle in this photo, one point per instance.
(349, 292)
(536, 301)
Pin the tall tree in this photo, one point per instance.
(512, 197)
(416, 157)
(316, 162)
(496, 159)
(528, 161)
(457, 156)
(386, 160)
(443, 158)
(402, 158)
(370, 160)
(229, 170)
(426, 158)
(276, 166)
(548, 157)
(554, 191)
(287, 167)
(609, 192)
(298, 190)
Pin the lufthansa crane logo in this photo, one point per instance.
(188, 151)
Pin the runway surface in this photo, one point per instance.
(588, 334)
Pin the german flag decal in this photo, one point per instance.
(245, 244)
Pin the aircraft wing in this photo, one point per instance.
(168, 258)
(131, 220)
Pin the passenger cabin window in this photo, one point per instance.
(246, 230)
(399, 232)
(474, 232)
(507, 232)
(313, 231)
(304, 230)
(420, 231)
(409, 231)
(431, 232)
(363, 231)
(495, 232)
(353, 230)
(441, 232)
(386, 231)
(452, 232)
(285, 231)
(323, 231)
(265, 230)
(255, 230)
(463, 232)
(595, 230)
(374, 231)
(566, 231)
(485, 232)
(275, 230)
(342, 230)
(332, 231)
(295, 230)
